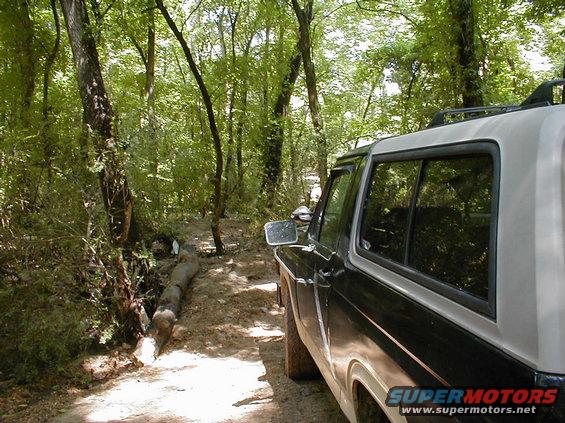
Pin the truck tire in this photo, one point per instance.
(368, 411)
(298, 363)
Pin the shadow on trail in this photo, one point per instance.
(225, 362)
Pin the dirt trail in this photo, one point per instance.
(225, 362)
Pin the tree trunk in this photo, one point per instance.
(25, 57)
(275, 132)
(228, 180)
(45, 109)
(414, 70)
(467, 62)
(218, 200)
(168, 309)
(98, 117)
(293, 156)
(239, 142)
(150, 70)
(232, 90)
(241, 121)
(149, 92)
(305, 17)
(149, 122)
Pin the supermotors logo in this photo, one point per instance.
(470, 401)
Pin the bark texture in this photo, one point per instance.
(25, 57)
(468, 64)
(165, 316)
(98, 117)
(232, 87)
(218, 197)
(45, 108)
(305, 16)
(242, 120)
(150, 99)
(274, 137)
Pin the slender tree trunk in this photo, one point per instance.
(228, 180)
(368, 105)
(98, 118)
(293, 155)
(305, 16)
(45, 109)
(149, 122)
(468, 64)
(232, 92)
(239, 141)
(274, 137)
(231, 113)
(25, 57)
(149, 92)
(228, 109)
(150, 68)
(242, 119)
(218, 200)
(414, 70)
(267, 59)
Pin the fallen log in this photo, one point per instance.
(168, 308)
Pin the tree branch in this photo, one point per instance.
(389, 11)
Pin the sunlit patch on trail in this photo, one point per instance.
(181, 385)
(269, 287)
(262, 330)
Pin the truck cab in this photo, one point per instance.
(434, 259)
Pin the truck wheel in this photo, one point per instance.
(299, 364)
(368, 411)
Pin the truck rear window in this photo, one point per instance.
(434, 216)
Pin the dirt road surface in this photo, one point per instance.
(225, 362)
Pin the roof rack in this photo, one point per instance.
(439, 117)
(542, 96)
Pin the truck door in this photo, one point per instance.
(320, 259)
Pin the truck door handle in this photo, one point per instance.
(325, 273)
(321, 276)
(302, 281)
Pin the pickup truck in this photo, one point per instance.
(436, 260)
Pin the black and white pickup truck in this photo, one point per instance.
(435, 259)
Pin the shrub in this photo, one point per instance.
(40, 328)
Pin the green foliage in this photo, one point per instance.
(41, 330)
(43, 321)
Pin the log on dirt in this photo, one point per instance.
(168, 308)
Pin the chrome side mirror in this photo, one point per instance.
(301, 214)
(282, 232)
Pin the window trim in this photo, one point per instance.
(321, 208)
(483, 146)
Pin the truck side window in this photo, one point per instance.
(450, 239)
(387, 208)
(329, 231)
(441, 208)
